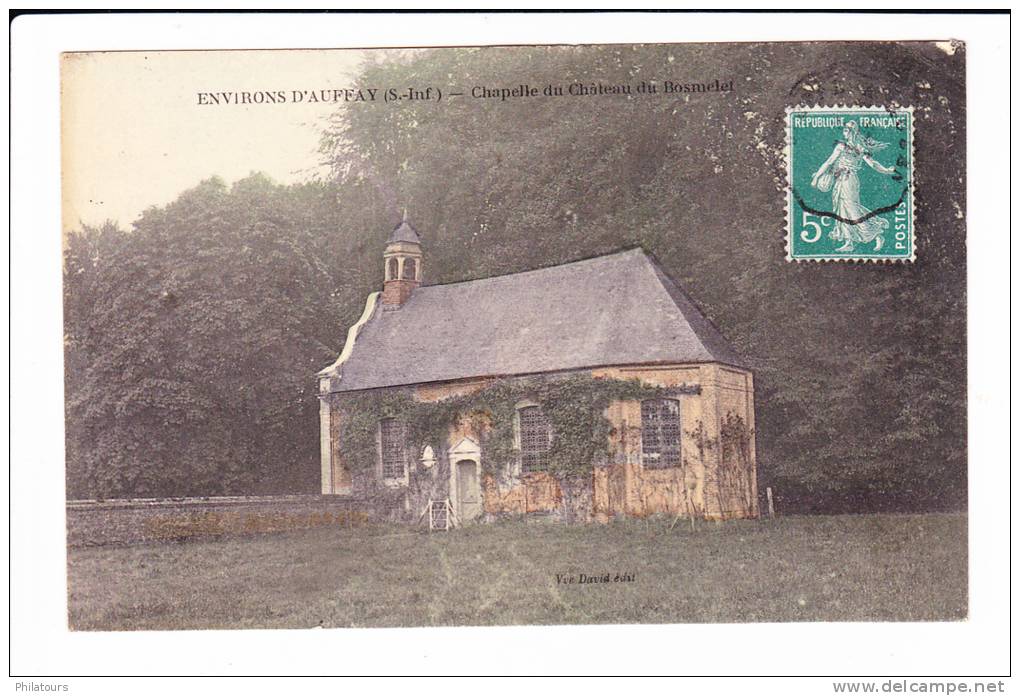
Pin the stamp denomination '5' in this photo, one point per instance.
(850, 176)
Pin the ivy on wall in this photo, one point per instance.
(574, 404)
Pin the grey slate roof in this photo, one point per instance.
(404, 233)
(619, 309)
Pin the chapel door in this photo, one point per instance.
(469, 492)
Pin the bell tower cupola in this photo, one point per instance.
(401, 265)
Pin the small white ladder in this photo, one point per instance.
(440, 514)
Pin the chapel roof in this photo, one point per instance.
(617, 309)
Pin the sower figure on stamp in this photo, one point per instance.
(844, 162)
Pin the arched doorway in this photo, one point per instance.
(466, 480)
(469, 490)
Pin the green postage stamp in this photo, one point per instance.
(850, 172)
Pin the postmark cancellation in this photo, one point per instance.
(850, 190)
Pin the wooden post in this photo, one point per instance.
(427, 511)
(451, 519)
(768, 495)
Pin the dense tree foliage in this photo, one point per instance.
(192, 340)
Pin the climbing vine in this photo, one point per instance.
(731, 474)
(575, 406)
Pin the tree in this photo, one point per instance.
(193, 340)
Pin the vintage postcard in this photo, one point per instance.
(565, 334)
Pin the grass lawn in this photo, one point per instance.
(847, 568)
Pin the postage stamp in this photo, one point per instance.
(850, 183)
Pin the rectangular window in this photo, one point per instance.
(535, 439)
(660, 433)
(393, 448)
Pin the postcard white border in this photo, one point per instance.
(40, 642)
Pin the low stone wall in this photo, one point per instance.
(103, 522)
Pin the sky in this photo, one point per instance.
(134, 133)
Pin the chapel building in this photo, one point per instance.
(684, 448)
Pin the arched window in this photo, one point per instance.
(392, 449)
(410, 267)
(391, 268)
(660, 433)
(535, 434)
